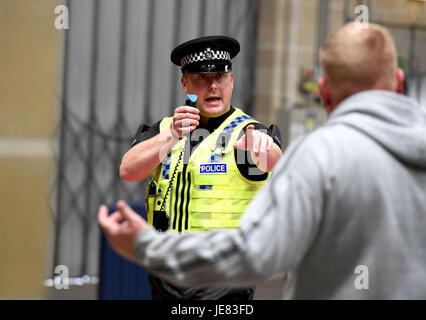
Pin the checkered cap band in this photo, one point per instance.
(205, 55)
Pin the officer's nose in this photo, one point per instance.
(212, 83)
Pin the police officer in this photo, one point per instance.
(205, 162)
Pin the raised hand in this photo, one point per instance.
(185, 120)
(121, 227)
(254, 141)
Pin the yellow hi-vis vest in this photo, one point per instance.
(209, 192)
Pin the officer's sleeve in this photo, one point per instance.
(245, 163)
(145, 132)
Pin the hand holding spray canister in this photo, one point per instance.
(161, 220)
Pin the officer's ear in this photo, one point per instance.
(184, 82)
(232, 79)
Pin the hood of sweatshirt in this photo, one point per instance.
(395, 121)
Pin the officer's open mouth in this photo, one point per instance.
(212, 99)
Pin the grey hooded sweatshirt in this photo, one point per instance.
(343, 215)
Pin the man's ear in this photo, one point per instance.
(325, 94)
(184, 83)
(400, 79)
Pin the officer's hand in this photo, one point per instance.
(121, 227)
(255, 141)
(185, 120)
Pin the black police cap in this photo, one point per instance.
(211, 54)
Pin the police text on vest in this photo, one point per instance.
(213, 168)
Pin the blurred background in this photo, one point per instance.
(72, 99)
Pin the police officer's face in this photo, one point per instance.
(214, 91)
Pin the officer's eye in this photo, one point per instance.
(221, 77)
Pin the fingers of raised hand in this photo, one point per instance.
(187, 109)
(256, 142)
(183, 127)
(185, 120)
(116, 217)
(249, 140)
(183, 123)
(270, 143)
(185, 115)
(250, 131)
(265, 143)
(107, 223)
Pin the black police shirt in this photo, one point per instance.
(145, 132)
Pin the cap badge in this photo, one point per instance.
(208, 54)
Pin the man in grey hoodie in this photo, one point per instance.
(344, 213)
